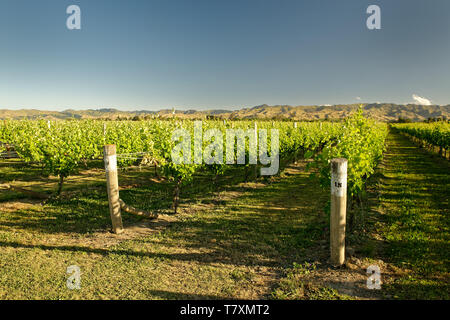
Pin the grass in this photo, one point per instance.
(230, 243)
(296, 286)
(413, 227)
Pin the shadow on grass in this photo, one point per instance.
(266, 226)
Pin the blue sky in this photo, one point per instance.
(145, 54)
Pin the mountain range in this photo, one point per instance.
(379, 111)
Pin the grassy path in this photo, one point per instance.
(414, 191)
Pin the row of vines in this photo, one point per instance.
(63, 147)
(429, 135)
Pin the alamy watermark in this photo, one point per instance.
(374, 279)
(74, 280)
(213, 152)
(74, 20)
(373, 22)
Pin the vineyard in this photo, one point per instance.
(222, 222)
(431, 136)
(62, 148)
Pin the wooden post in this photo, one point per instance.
(104, 129)
(338, 208)
(9, 153)
(112, 185)
(256, 150)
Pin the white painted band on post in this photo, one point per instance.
(339, 181)
(111, 163)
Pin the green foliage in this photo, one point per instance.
(436, 133)
(62, 146)
(361, 142)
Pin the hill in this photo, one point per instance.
(379, 111)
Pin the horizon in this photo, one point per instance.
(364, 104)
(210, 55)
